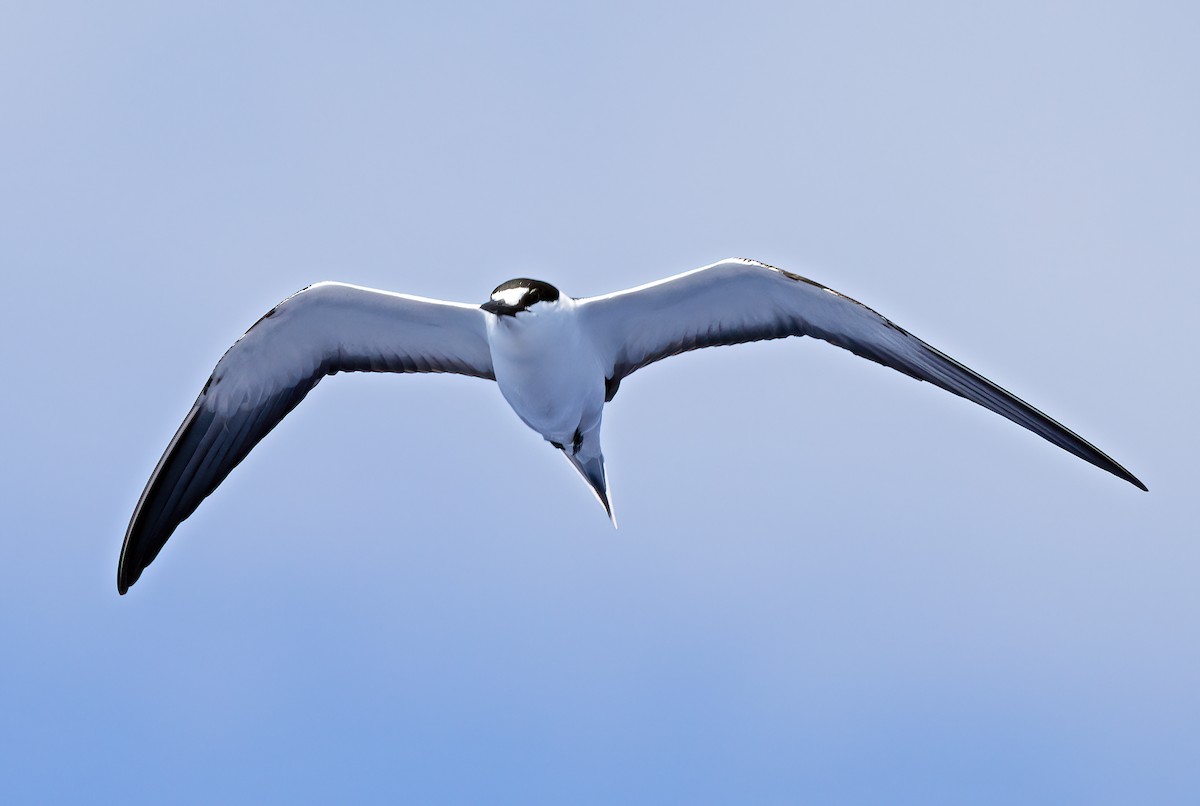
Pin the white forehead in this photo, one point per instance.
(511, 296)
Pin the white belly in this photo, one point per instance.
(548, 372)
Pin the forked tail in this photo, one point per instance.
(591, 468)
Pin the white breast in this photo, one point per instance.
(547, 369)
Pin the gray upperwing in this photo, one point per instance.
(324, 329)
(737, 301)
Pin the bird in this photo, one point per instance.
(556, 360)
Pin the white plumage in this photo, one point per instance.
(556, 360)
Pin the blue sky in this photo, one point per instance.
(831, 584)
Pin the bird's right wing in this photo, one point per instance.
(324, 329)
(737, 301)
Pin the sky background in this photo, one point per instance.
(831, 584)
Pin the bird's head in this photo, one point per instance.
(521, 294)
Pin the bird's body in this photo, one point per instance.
(556, 360)
(551, 373)
(548, 370)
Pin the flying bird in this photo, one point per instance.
(556, 360)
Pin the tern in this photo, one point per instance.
(556, 360)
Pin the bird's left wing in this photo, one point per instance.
(738, 301)
(324, 329)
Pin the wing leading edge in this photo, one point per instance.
(325, 329)
(737, 301)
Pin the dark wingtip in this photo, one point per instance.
(123, 582)
(1121, 473)
(126, 577)
(1108, 464)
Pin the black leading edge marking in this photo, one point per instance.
(611, 385)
